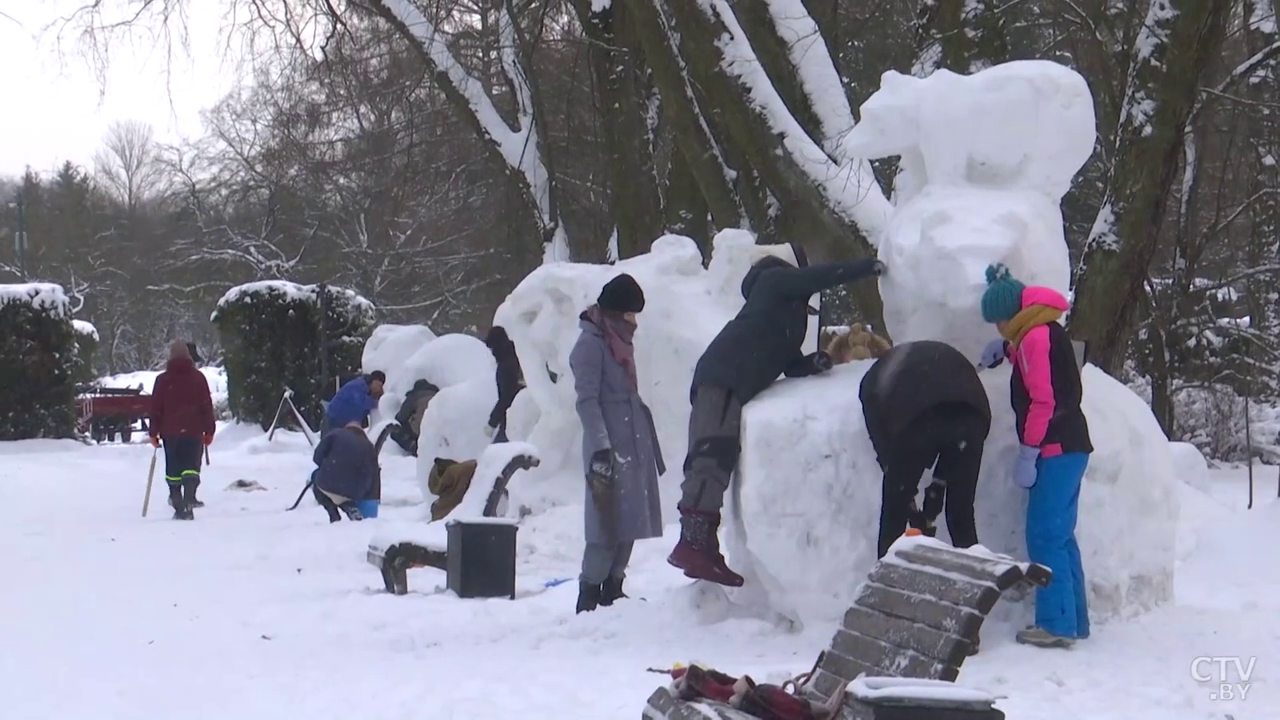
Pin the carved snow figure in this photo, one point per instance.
(985, 161)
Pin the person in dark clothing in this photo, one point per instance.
(762, 342)
(510, 379)
(409, 418)
(346, 471)
(925, 407)
(182, 420)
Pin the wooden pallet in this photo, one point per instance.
(917, 616)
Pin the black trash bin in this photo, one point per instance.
(482, 558)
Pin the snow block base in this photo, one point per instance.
(917, 616)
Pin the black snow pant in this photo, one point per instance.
(715, 423)
(182, 457)
(949, 439)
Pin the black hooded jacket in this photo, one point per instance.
(765, 339)
(916, 378)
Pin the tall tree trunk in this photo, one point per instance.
(618, 67)
(519, 151)
(1179, 39)
(689, 127)
(685, 206)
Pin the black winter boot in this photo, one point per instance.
(610, 590)
(195, 503)
(179, 505)
(588, 597)
(188, 497)
(327, 504)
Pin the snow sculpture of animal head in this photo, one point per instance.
(985, 161)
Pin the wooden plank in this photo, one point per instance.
(1000, 573)
(847, 669)
(942, 616)
(941, 646)
(891, 660)
(980, 596)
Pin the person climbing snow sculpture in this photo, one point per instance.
(1045, 392)
(346, 471)
(354, 401)
(620, 452)
(182, 421)
(509, 378)
(925, 407)
(409, 417)
(762, 342)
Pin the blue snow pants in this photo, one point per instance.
(1061, 608)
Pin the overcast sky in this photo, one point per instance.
(55, 109)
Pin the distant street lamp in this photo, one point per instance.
(20, 237)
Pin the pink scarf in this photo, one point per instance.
(618, 335)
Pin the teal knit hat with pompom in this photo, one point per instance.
(1003, 296)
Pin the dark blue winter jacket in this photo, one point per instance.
(352, 403)
(346, 463)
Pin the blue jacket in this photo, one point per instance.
(352, 403)
(346, 463)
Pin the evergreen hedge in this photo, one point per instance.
(86, 345)
(271, 337)
(37, 362)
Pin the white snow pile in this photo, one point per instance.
(293, 292)
(48, 297)
(390, 346)
(86, 328)
(985, 161)
(685, 306)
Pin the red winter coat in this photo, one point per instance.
(181, 405)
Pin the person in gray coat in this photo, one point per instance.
(619, 443)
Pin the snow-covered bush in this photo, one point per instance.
(86, 344)
(271, 335)
(37, 362)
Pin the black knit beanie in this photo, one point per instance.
(622, 295)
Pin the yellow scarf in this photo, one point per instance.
(1028, 319)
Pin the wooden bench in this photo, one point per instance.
(917, 616)
(429, 545)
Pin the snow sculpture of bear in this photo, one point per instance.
(985, 161)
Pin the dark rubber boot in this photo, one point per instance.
(176, 502)
(352, 512)
(698, 551)
(327, 504)
(611, 590)
(189, 497)
(195, 503)
(588, 597)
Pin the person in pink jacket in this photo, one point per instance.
(1045, 391)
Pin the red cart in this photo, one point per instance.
(102, 413)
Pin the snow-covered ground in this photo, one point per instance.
(257, 613)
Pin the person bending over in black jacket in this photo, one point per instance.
(926, 408)
(762, 342)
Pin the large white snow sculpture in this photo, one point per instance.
(685, 306)
(985, 161)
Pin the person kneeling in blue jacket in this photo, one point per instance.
(346, 470)
(354, 401)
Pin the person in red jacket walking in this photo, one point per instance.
(182, 419)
